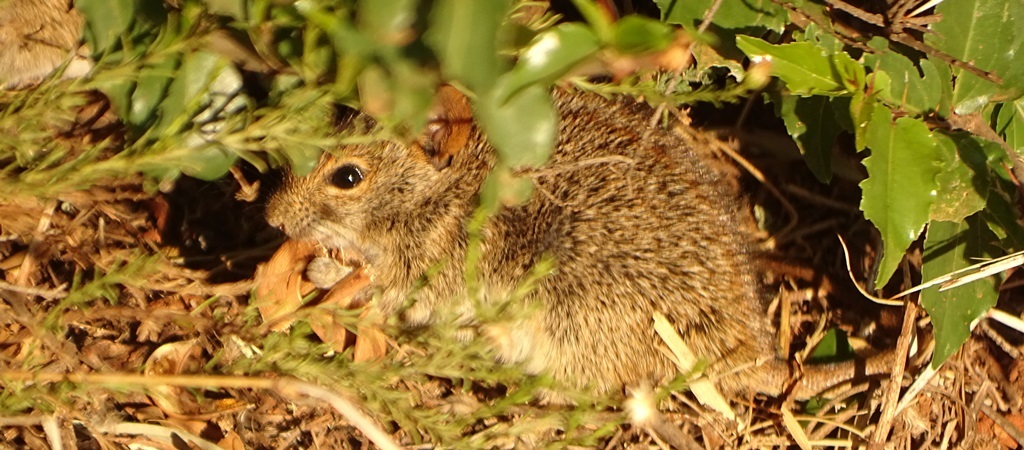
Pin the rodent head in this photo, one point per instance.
(351, 200)
(383, 198)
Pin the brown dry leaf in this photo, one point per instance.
(280, 285)
(371, 343)
(160, 209)
(118, 355)
(330, 331)
(1004, 438)
(370, 340)
(232, 441)
(175, 358)
(345, 290)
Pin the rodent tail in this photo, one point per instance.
(823, 379)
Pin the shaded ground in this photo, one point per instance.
(108, 289)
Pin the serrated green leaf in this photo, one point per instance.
(988, 33)
(826, 40)
(463, 33)
(105, 21)
(636, 34)
(731, 14)
(811, 123)
(523, 128)
(964, 180)
(804, 68)
(707, 57)
(850, 73)
(938, 77)
(901, 183)
(951, 246)
(550, 55)
(907, 88)
(862, 107)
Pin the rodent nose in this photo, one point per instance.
(274, 215)
(275, 223)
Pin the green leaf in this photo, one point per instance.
(302, 159)
(849, 72)
(550, 55)
(1002, 216)
(464, 34)
(523, 128)
(826, 40)
(708, 57)
(208, 162)
(988, 33)
(901, 183)
(951, 246)
(637, 34)
(351, 47)
(964, 180)
(907, 88)
(862, 107)
(151, 89)
(503, 187)
(389, 22)
(805, 69)
(731, 14)
(197, 72)
(1010, 125)
(413, 91)
(205, 93)
(811, 123)
(105, 21)
(235, 9)
(119, 92)
(834, 346)
(595, 17)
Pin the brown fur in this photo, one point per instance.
(635, 222)
(36, 36)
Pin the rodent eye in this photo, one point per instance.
(347, 176)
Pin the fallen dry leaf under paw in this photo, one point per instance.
(279, 283)
(281, 286)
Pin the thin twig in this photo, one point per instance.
(909, 41)
(874, 19)
(890, 397)
(49, 294)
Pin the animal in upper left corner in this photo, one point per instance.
(36, 37)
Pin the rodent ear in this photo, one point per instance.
(451, 121)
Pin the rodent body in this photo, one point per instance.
(634, 221)
(36, 36)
